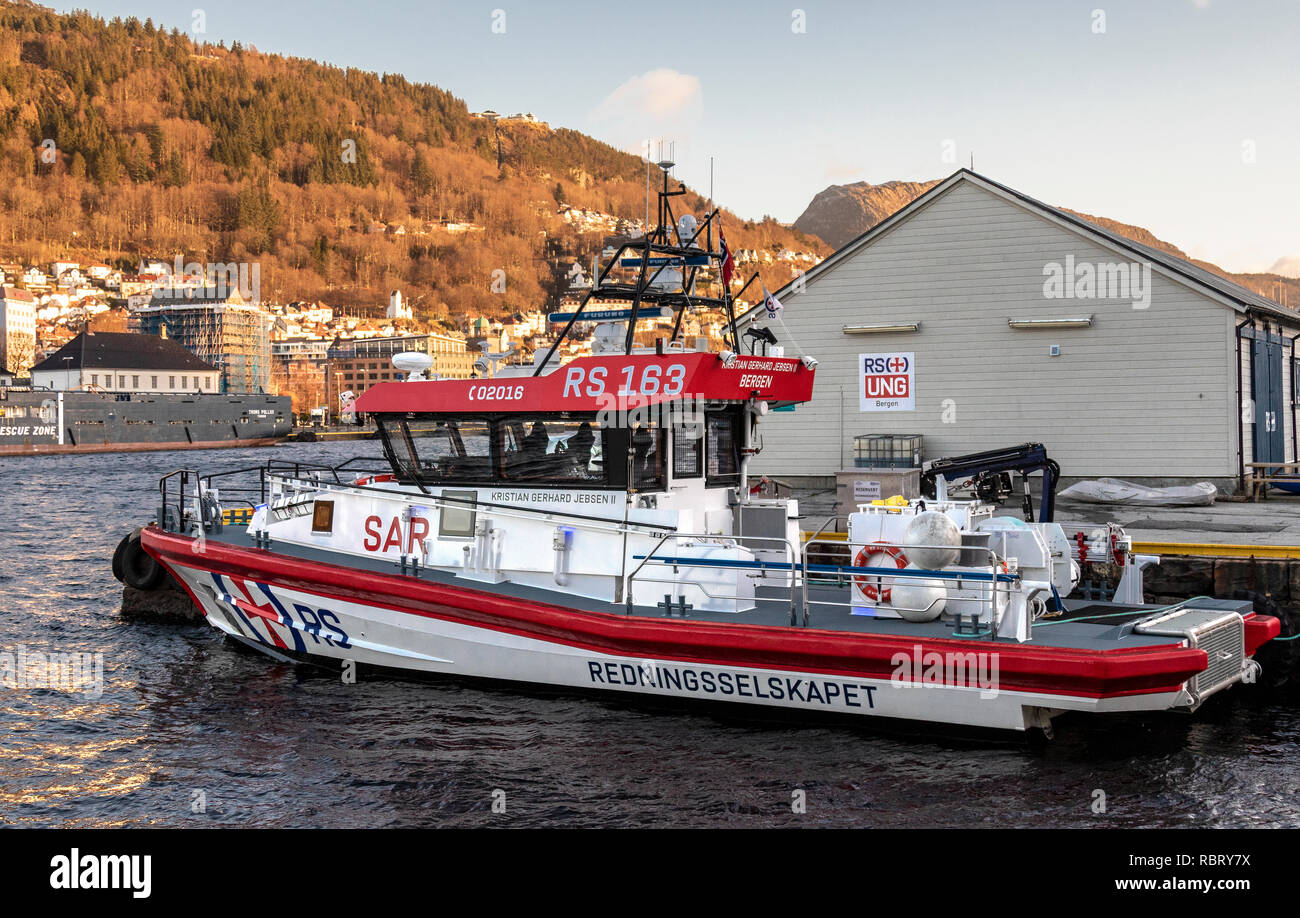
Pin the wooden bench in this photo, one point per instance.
(1264, 474)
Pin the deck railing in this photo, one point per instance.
(804, 574)
(1000, 582)
(187, 504)
(744, 542)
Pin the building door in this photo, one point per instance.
(1266, 387)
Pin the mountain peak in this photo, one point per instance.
(842, 212)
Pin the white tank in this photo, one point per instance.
(932, 528)
(607, 339)
(916, 599)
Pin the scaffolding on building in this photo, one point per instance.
(234, 338)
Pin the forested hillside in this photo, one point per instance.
(121, 139)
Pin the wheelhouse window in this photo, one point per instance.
(688, 451)
(642, 450)
(552, 450)
(431, 450)
(722, 431)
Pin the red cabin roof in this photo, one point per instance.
(596, 383)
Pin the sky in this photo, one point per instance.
(1180, 116)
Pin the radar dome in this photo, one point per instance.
(687, 228)
(412, 363)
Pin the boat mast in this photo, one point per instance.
(660, 242)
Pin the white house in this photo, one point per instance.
(982, 318)
(318, 314)
(123, 362)
(155, 267)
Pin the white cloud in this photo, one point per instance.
(661, 103)
(1287, 266)
(840, 170)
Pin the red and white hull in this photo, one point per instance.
(291, 605)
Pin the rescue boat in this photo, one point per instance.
(593, 525)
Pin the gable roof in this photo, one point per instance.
(123, 351)
(1219, 288)
(16, 293)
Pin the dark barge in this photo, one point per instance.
(44, 421)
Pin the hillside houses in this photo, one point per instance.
(756, 256)
(594, 221)
(420, 228)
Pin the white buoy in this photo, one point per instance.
(916, 599)
(932, 528)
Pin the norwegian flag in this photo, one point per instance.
(728, 263)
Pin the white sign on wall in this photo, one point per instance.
(865, 490)
(886, 382)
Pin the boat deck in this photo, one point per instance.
(828, 609)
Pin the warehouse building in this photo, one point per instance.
(980, 318)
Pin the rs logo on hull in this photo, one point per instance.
(285, 623)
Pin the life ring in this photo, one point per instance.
(864, 581)
(374, 479)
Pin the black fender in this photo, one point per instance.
(118, 554)
(140, 570)
(1280, 660)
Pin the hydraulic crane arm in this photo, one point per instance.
(990, 473)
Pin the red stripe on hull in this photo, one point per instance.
(1022, 667)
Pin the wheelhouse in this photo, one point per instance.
(647, 451)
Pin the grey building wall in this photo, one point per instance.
(1143, 393)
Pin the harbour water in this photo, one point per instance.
(191, 731)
